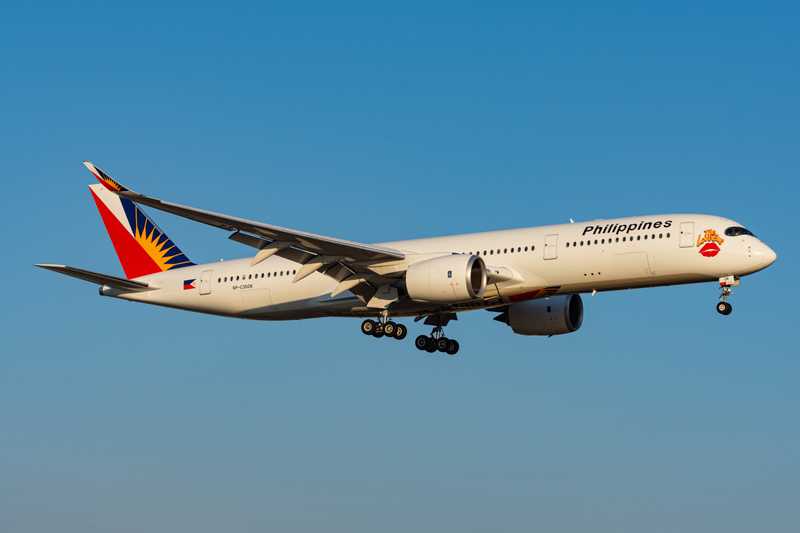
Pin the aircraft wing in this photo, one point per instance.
(95, 277)
(266, 235)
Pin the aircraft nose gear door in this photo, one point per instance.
(205, 282)
(551, 246)
(687, 234)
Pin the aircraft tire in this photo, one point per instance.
(441, 344)
(368, 327)
(421, 342)
(430, 344)
(452, 347)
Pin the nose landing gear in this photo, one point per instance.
(726, 284)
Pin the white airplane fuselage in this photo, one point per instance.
(599, 255)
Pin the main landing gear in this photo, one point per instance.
(437, 342)
(726, 284)
(384, 328)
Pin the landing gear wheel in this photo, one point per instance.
(441, 344)
(378, 331)
(430, 344)
(400, 332)
(452, 347)
(368, 327)
(421, 342)
(389, 328)
(724, 308)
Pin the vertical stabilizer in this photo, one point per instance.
(141, 246)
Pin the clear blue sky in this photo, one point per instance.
(374, 123)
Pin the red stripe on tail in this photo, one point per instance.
(134, 259)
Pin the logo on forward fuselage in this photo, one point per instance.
(709, 243)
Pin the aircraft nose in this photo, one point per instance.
(764, 254)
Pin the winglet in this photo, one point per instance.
(110, 183)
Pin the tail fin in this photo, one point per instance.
(142, 247)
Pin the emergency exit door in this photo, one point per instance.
(551, 246)
(205, 282)
(687, 234)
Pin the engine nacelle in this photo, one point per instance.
(448, 279)
(547, 316)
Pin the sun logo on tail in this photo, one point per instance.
(157, 246)
(160, 248)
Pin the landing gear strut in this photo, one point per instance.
(726, 284)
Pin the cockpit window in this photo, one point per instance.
(735, 231)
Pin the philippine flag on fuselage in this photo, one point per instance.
(188, 284)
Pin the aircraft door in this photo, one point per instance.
(687, 234)
(205, 282)
(551, 246)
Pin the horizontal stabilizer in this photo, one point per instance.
(100, 279)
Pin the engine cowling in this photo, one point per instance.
(547, 316)
(448, 279)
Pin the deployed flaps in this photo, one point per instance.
(347, 284)
(312, 266)
(268, 251)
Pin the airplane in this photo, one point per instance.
(532, 278)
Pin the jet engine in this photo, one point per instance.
(555, 315)
(448, 279)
